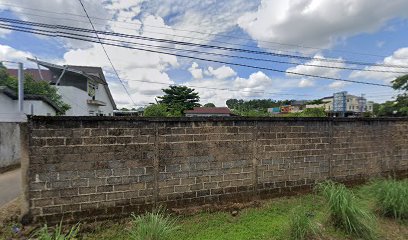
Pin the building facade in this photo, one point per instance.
(84, 88)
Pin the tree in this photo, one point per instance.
(209, 105)
(156, 110)
(34, 87)
(179, 98)
(399, 107)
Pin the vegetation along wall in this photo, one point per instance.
(94, 168)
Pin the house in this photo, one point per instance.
(347, 103)
(208, 112)
(32, 105)
(84, 88)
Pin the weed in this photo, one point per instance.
(152, 226)
(392, 198)
(301, 225)
(45, 233)
(345, 213)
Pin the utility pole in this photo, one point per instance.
(20, 87)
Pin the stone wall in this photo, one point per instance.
(94, 168)
(9, 145)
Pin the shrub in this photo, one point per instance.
(301, 226)
(152, 226)
(45, 233)
(345, 213)
(392, 198)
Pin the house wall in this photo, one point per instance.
(9, 145)
(77, 99)
(9, 108)
(95, 168)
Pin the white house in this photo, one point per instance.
(84, 88)
(33, 105)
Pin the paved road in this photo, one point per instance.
(10, 186)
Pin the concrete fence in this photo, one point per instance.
(9, 145)
(95, 168)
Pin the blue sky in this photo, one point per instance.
(345, 30)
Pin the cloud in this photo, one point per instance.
(93, 8)
(317, 23)
(337, 85)
(195, 71)
(255, 86)
(399, 57)
(304, 83)
(333, 71)
(222, 72)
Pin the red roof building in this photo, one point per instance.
(208, 112)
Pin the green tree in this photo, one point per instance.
(156, 110)
(34, 87)
(209, 105)
(399, 107)
(179, 98)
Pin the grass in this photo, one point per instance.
(392, 198)
(302, 225)
(346, 213)
(46, 233)
(156, 225)
(271, 220)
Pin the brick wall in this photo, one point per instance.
(86, 168)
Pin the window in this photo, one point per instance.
(92, 89)
(91, 113)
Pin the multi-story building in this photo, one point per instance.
(345, 103)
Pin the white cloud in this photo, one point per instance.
(304, 83)
(332, 70)
(255, 86)
(93, 7)
(399, 57)
(195, 71)
(317, 23)
(337, 85)
(222, 72)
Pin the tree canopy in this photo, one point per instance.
(399, 107)
(209, 105)
(33, 87)
(179, 98)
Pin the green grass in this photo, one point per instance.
(271, 220)
(156, 225)
(392, 198)
(346, 213)
(302, 224)
(57, 233)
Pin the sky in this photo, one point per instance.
(370, 31)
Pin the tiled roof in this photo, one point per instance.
(46, 74)
(209, 110)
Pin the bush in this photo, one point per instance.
(45, 233)
(156, 110)
(345, 213)
(301, 226)
(156, 225)
(392, 198)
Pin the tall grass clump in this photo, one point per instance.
(392, 198)
(345, 213)
(153, 226)
(47, 233)
(301, 225)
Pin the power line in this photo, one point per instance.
(194, 31)
(161, 40)
(106, 53)
(232, 56)
(199, 58)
